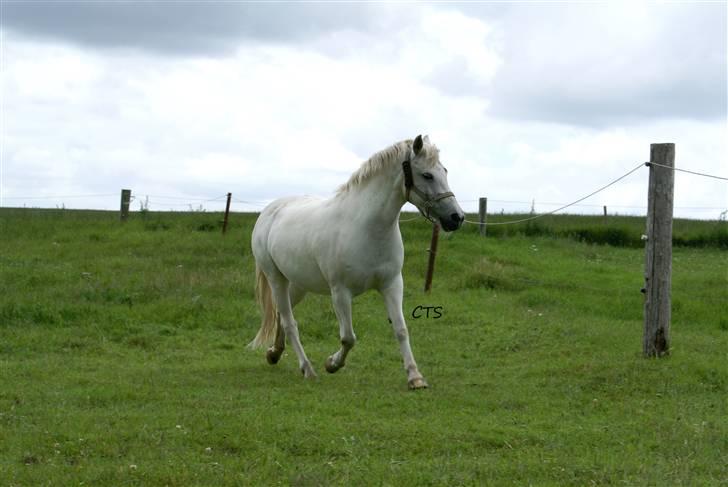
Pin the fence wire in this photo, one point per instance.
(188, 201)
(59, 197)
(521, 220)
(686, 170)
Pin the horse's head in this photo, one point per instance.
(426, 187)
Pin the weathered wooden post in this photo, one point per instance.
(125, 201)
(431, 260)
(605, 214)
(227, 212)
(658, 260)
(483, 213)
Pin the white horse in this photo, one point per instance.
(346, 245)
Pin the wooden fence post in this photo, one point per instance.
(431, 260)
(658, 259)
(227, 212)
(483, 213)
(125, 201)
(605, 214)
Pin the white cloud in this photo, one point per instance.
(275, 119)
(605, 64)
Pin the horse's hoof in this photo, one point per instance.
(417, 383)
(273, 356)
(308, 372)
(330, 366)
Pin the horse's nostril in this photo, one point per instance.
(456, 218)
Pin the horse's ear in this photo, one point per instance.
(426, 139)
(417, 145)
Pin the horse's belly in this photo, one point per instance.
(307, 277)
(304, 270)
(299, 267)
(360, 274)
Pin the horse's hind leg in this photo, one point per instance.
(280, 288)
(273, 355)
(341, 298)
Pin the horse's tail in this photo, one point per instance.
(269, 323)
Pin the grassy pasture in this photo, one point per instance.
(123, 361)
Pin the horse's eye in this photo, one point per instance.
(427, 175)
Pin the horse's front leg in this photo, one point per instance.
(341, 299)
(393, 300)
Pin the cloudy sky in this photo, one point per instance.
(185, 101)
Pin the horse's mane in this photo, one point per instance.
(394, 154)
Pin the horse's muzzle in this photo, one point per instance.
(452, 223)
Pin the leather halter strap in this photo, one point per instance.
(409, 185)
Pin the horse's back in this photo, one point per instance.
(277, 212)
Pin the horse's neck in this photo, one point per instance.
(377, 202)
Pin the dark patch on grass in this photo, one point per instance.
(512, 405)
(712, 379)
(309, 479)
(207, 227)
(29, 459)
(8, 401)
(229, 448)
(614, 236)
(113, 294)
(9, 313)
(156, 226)
(13, 314)
(485, 443)
(144, 342)
(537, 229)
(74, 344)
(494, 275)
(167, 331)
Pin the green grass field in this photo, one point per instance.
(123, 361)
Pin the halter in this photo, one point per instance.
(409, 185)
